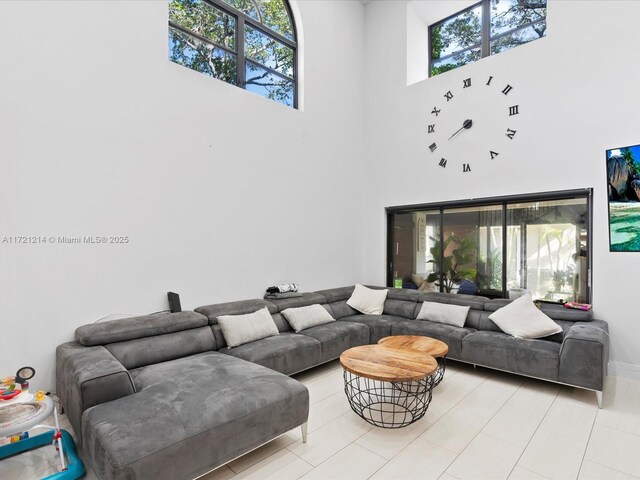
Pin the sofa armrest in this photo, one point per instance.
(584, 355)
(88, 376)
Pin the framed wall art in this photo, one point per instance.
(623, 183)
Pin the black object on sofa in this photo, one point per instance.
(162, 396)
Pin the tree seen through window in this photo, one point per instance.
(248, 43)
(464, 37)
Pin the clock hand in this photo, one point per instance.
(465, 125)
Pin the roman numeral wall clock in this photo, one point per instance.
(472, 124)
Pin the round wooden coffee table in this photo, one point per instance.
(388, 386)
(428, 345)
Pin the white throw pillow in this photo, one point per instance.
(522, 319)
(367, 301)
(302, 318)
(240, 329)
(445, 313)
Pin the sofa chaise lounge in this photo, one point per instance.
(163, 397)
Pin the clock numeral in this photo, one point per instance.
(435, 111)
(448, 95)
(466, 83)
(489, 81)
(513, 110)
(432, 128)
(493, 154)
(466, 167)
(510, 133)
(443, 163)
(507, 89)
(432, 147)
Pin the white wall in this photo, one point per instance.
(578, 94)
(221, 192)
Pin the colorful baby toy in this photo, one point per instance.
(19, 413)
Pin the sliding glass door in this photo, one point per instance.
(538, 243)
(473, 247)
(548, 249)
(413, 237)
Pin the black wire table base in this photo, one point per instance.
(439, 373)
(388, 404)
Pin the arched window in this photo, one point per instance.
(248, 43)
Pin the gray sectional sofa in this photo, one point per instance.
(162, 397)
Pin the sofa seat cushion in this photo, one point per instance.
(537, 358)
(379, 325)
(336, 337)
(449, 334)
(161, 348)
(286, 353)
(172, 427)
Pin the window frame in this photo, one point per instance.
(503, 201)
(485, 36)
(242, 19)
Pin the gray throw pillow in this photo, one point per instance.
(455, 315)
(302, 318)
(240, 329)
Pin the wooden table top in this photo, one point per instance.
(388, 364)
(428, 345)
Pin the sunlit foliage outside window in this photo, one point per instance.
(248, 43)
(465, 37)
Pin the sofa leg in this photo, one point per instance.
(599, 397)
(303, 427)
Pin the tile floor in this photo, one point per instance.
(481, 424)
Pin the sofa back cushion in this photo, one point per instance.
(400, 308)
(474, 301)
(140, 352)
(404, 294)
(340, 309)
(241, 307)
(103, 333)
(553, 311)
(281, 323)
(337, 294)
(479, 320)
(305, 299)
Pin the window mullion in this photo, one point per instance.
(206, 40)
(241, 68)
(269, 69)
(519, 28)
(458, 52)
(505, 265)
(225, 7)
(486, 29)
